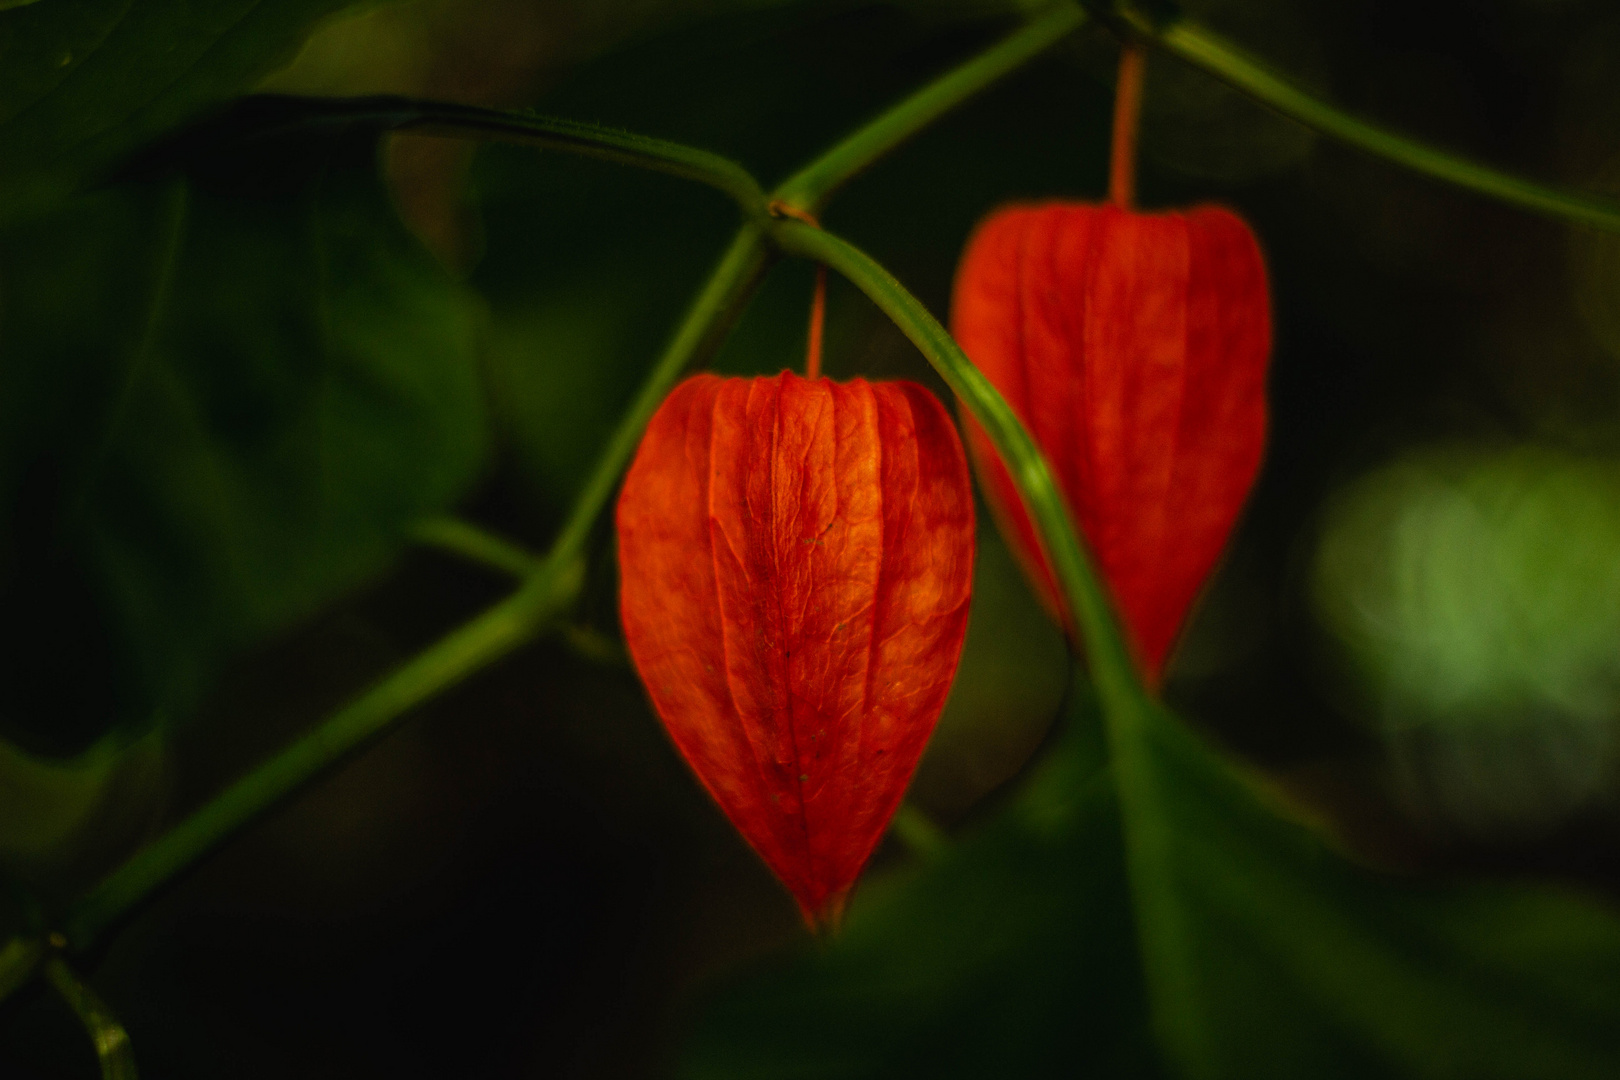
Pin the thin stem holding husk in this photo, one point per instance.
(818, 319)
(1127, 117)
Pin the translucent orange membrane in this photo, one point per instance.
(795, 559)
(1134, 347)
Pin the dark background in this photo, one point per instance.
(523, 880)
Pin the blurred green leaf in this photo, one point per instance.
(1011, 954)
(588, 267)
(1477, 593)
(226, 394)
(48, 807)
(1470, 580)
(1009, 683)
(1267, 953)
(1271, 955)
(83, 81)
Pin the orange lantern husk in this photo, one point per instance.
(796, 560)
(1134, 347)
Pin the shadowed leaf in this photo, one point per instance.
(83, 81)
(226, 394)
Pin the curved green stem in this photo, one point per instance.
(113, 1050)
(705, 326)
(1109, 657)
(1206, 50)
(469, 121)
(809, 188)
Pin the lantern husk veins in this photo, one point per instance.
(1134, 347)
(795, 568)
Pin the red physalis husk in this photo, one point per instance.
(1134, 348)
(795, 561)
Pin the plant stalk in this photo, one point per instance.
(1127, 116)
(1226, 62)
(457, 537)
(810, 187)
(458, 654)
(705, 326)
(546, 591)
(393, 113)
(113, 1051)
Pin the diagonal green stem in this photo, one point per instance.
(809, 188)
(705, 326)
(1206, 50)
(111, 1041)
(912, 826)
(458, 654)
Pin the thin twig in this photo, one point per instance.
(477, 545)
(1206, 50)
(1127, 114)
(810, 187)
(113, 1050)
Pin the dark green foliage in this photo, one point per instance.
(1011, 954)
(1265, 952)
(229, 379)
(84, 81)
(1274, 956)
(227, 390)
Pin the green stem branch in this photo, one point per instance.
(809, 188)
(705, 326)
(527, 129)
(912, 826)
(111, 1041)
(442, 665)
(591, 644)
(458, 537)
(1226, 62)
